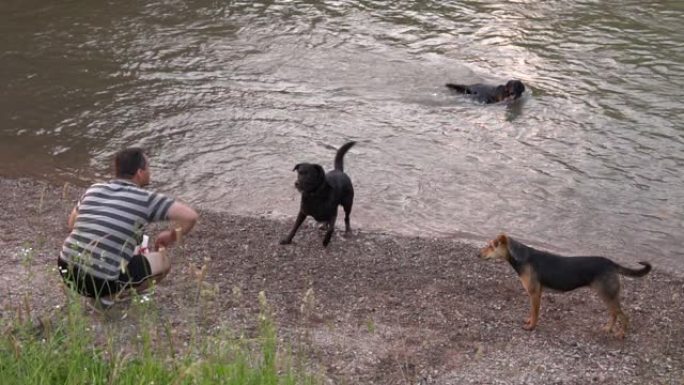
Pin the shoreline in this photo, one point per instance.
(665, 264)
(385, 308)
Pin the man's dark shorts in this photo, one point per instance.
(138, 271)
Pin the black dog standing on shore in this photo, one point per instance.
(486, 93)
(322, 193)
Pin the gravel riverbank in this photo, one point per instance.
(373, 307)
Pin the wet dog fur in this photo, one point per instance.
(322, 193)
(541, 269)
(486, 93)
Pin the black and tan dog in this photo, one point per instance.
(322, 193)
(541, 269)
(485, 93)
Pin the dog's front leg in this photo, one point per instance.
(298, 222)
(329, 231)
(535, 299)
(533, 287)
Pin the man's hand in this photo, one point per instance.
(183, 218)
(165, 239)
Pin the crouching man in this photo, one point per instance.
(99, 258)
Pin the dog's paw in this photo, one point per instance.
(285, 241)
(529, 325)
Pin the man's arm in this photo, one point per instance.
(72, 218)
(183, 218)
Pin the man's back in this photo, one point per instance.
(109, 225)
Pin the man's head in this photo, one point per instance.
(132, 164)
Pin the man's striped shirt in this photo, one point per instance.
(109, 225)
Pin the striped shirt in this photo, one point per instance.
(110, 221)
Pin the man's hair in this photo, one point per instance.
(128, 161)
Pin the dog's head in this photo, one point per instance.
(515, 88)
(309, 176)
(496, 248)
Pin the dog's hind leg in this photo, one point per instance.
(616, 314)
(329, 231)
(347, 206)
(608, 288)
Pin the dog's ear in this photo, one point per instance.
(320, 170)
(502, 239)
(296, 167)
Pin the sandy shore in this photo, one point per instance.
(373, 307)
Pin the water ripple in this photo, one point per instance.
(229, 96)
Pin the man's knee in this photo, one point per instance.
(160, 264)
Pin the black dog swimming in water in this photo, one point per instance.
(322, 193)
(486, 93)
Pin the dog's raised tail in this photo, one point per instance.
(339, 165)
(635, 272)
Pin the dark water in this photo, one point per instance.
(228, 96)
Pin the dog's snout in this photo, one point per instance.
(482, 252)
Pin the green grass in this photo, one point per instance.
(70, 353)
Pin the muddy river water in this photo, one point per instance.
(228, 96)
